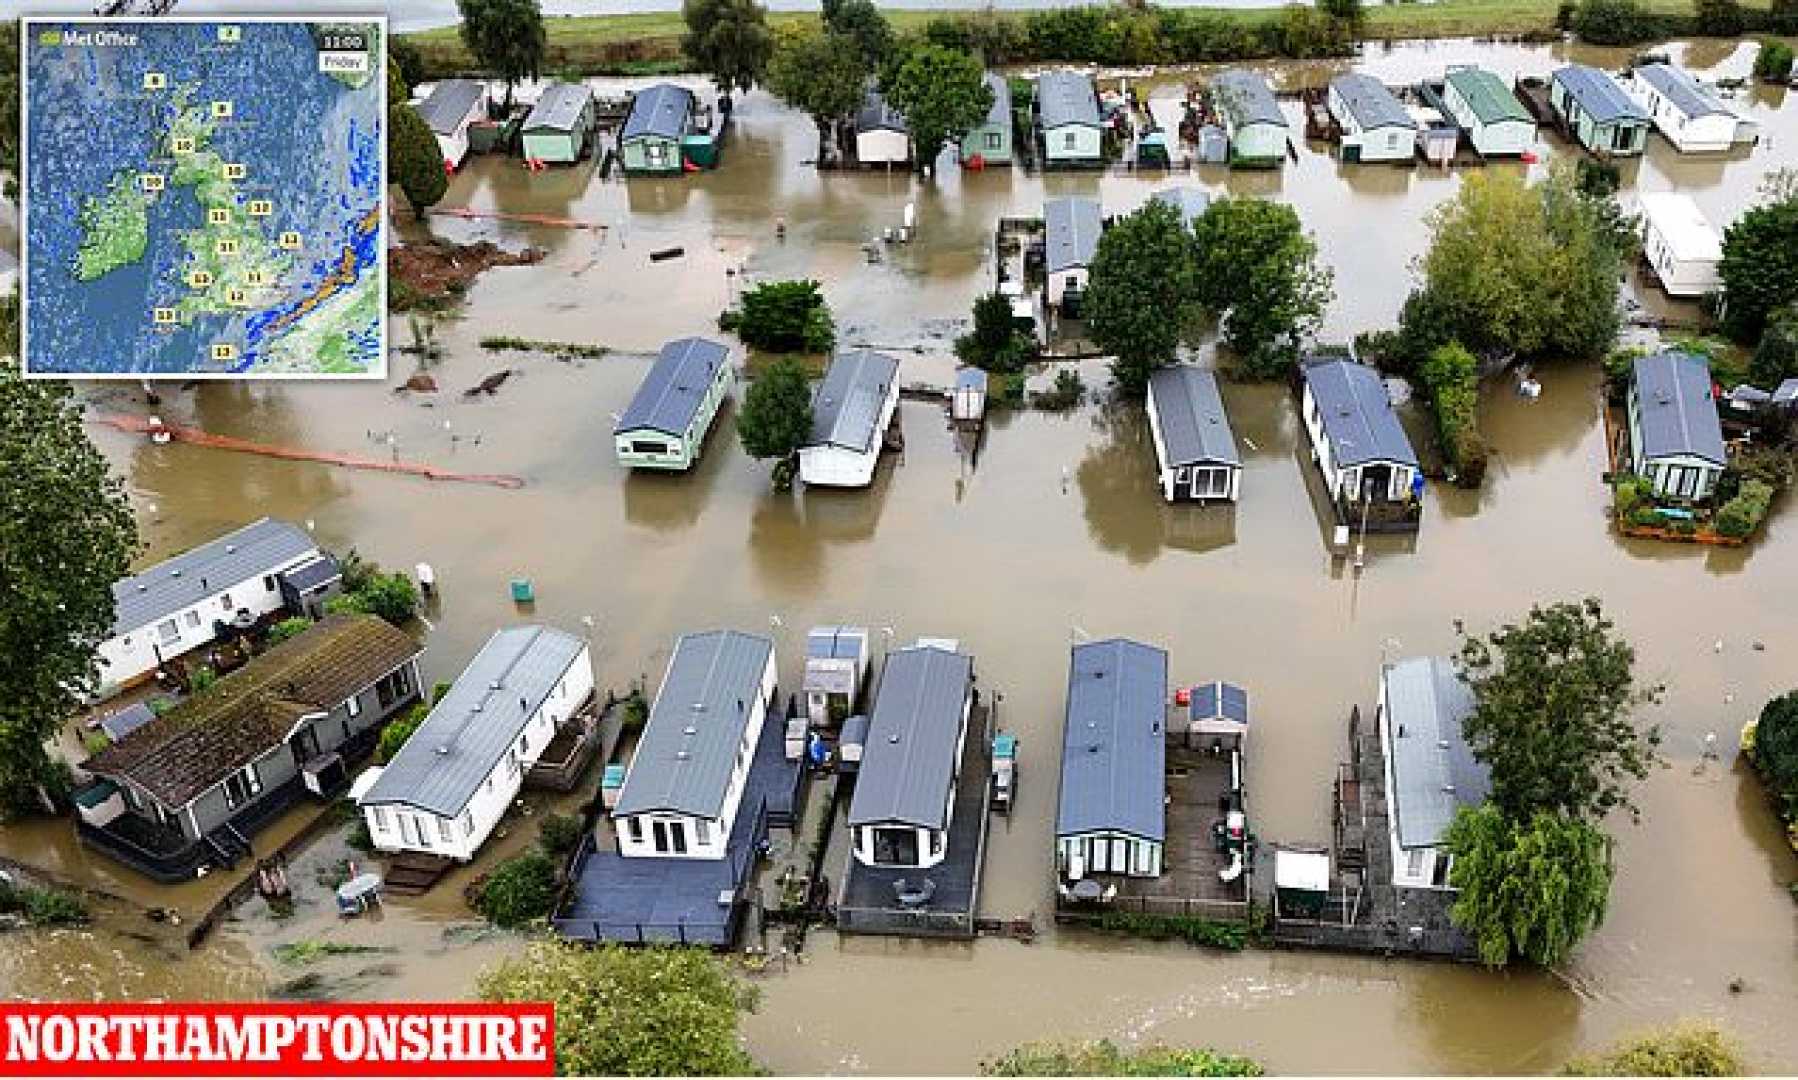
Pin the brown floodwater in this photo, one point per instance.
(1054, 533)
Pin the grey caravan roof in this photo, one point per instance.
(559, 108)
(846, 407)
(1598, 94)
(1357, 414)
(259, 548)
(660, 110)
(1245, 96)
(1000, 113)
(1685, 92)
(670, 395)
(1190, 201)
(1433, 770)
(1371, 104)
(1677, 413)
(1194, 427)
(876, 115)
(689, 746)
(449, 102)
(908, 763)
(1114, 742)
(1066, 97)
(1072, 227)
(467, 733)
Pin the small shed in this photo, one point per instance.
(1690, 114)
(836, 667)
(990, 142)
(1375, 125)
(558, 125)
(1681, 244)
(1301, 883)
(968, 405)
(1437, 136)
(1217, 716)
(1253, 123)
(1068, 113)
(1676, 439)
(650, 141)
(1072, 239)
(881, 134)
(1496, 123)
(852, 742)
(1597, 112)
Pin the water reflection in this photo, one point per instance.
(671, 502)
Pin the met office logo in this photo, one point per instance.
(72, 38)
(350, 1039)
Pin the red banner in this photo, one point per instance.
(266, 1040)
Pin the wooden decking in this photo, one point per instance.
(413, 873)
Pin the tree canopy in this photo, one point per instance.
(785, 316)
(860, 22)
(1685, 1049)
(66, 534)
(728, 40)
(777, 411)
(505, 36)
(821, 74)
(1776, 357)
(1258, 272)
(1531, 890)
(631, 1012)
(995, 343)
(1760, 259)
(1554, 720)
(1776, 744)
(1143, 293)
(942, 94)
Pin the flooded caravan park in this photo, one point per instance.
(1053, 532)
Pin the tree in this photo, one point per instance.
(1611, 22)
(995, 344)
(414, 159)
(1533, 890)
(66, 534)
(1760, 262)
(1685, 1049)
(1258, 272)
(1143, 294)
(1350, 13)
(652, 1011)
(942, 94)
(1719, 18)
(777, 412)
(785, 316)
(520, 890)
(506, 37)
(1776, 744)
(398, 731)
(820, 74)
(1105, 1058)
(391, 596)
(9, 106)
(404, 57)
(1554, 698)
(859, 21)
(728, 40)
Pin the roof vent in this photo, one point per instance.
(141, 587)
(681, 755)
(176, 572)
(230, 549)
(1442, 744)
(1448, 789)
(689, 730)
(443, 751)
(494, 685)
(1401, 731)
(698, 706)
(1092, 748)
(893, 738)
(476, 707)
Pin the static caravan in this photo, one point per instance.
(1195, 451)
(1675, 438)
(1253, 123)
(1430, 771)
(176, 606)
(1679, 242)
(650, 141)
(1691, 115)
(454, 104)
(850, 413)
(559, 124)
(685, 784)
(1601, 117)
(1072, 229)
(991, 141)
(1375, 125)
(667, 421)
(904, 801)
(1496, 123)
(1191, 202)
(453, 780)
(1110, 817)
(881, 136)
(1356, 438)
(1067, 110)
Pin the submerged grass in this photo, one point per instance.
(301, 953)
(561, 350)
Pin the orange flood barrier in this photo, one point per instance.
(505, 215)
(141, 425)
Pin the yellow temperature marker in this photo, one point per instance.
(256, 279)
(155, 80)
(150, 181)
(163, 316)
(199, 279)
(236, 171)
(238, 296)
(218, 215)
(230, 35)
(224, 351)
(290, 241)
(221, 110)
(227, 248)
(261, 208)
(182, 144)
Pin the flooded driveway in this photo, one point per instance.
(1057, 533)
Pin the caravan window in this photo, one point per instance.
(193, 620)
(702, 833)
(268, 582)
(1414, 863)
(168, 631)
(443, 830)
(379, 817)
(468, 823)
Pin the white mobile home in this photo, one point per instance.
(172, 608)
(904, 801)
(1356, 438)
(1253, 123)
(453, 105)
(1430, 771)
(685, 784)
(1679, 242)
(452, 781)
(1067, 110)
(1375, 126)
(1071, 239)
(1675, 437)
(850, 413)
(1110, 816)
(1195, 450)
(1691, 115)
(881, 137)
(666, 423)
(1496, 123)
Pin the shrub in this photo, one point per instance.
(358, 836)
(201, 679)
(42, 906)
(1776, 358)
(636, 711)
(391, 596)
(1646, 517)
(1775, 747)
(559, 834)
(1188, 928)
(1719, 18)
(520, 890)
(1065, 394)
(1628, 493)
(1743, 514)
(786, 316)
(1681, 1050)
(1453, 378)
(1774, 62)
(288, 628)
(1005, 391)
(398, 731)
(1612, 22)
(1106, 1058)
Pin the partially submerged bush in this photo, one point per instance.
(786, 316)
(42, 906)
(1682, 1050)
(559, 834)
(520, 890)
(1741, 515)
(1105, 1058)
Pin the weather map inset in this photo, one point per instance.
(204, 198)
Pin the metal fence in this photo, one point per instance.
(916, 923)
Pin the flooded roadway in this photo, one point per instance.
(1057, 532)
